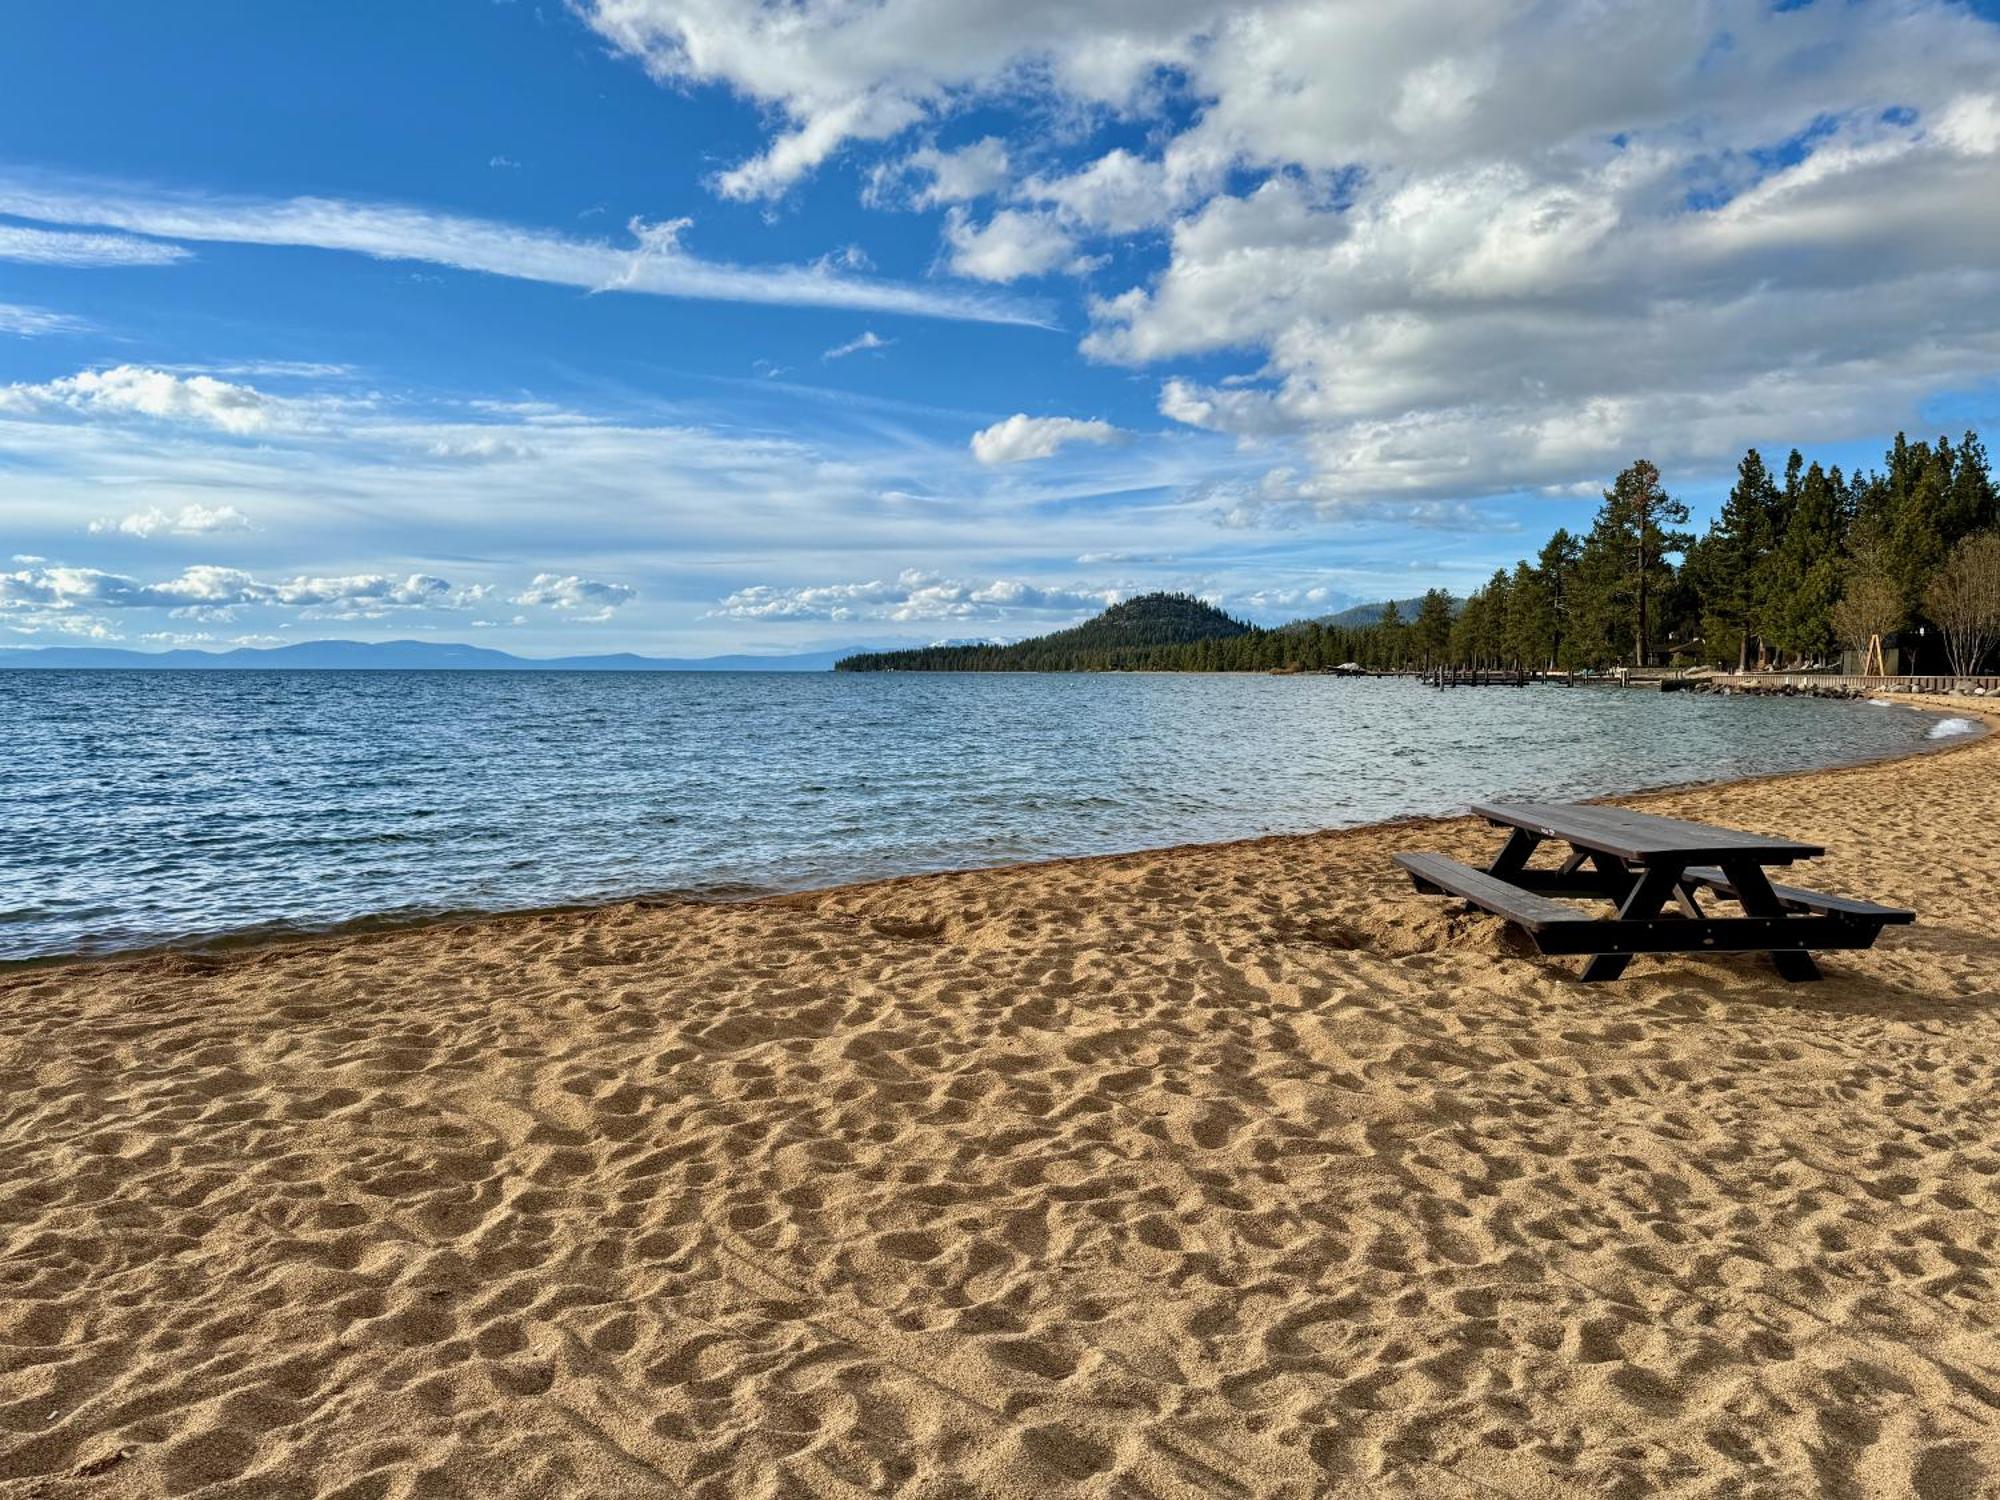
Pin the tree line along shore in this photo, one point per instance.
(1797, 569)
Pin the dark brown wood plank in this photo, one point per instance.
(1804, 900)
(1642, 836)
(1708, 935)
(1536, 913)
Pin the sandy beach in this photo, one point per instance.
(1234, 1170)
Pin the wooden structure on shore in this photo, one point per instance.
(1445, 677)
(1640, 863)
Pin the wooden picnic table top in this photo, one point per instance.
(1643, 837)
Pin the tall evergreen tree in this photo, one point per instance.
(1638, 516)
(1530, 619)
(1971, 504)
(1738, 541)
(1499, 594)
(1918, 542)
(1557, 566)
(1430, 636)
(1391, 636)
(1601, 603)
(1807, 568)
(1467, 629)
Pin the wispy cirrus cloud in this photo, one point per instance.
(51, 247)
(867, 342)
(283, 369)
(35, 322)
(654, 263)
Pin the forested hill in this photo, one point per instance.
(1139, 633)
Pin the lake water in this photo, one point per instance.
(145, 807)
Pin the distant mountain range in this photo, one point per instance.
(399, 656)
(1370, 614)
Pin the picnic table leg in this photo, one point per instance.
(1649, 893)
(1514, 854)
(1753, 890)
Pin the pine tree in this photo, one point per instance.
(1917, 539)
(1557, 567)
(1639, 512)
(1391, 632)
(1791, 565)
(1807, 569)
(1493, 630)
(1737, 543)
(1529, 619)
(1601, 611)
(1466, 629)
(1971, 504)
(1431, 635)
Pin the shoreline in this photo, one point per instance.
(1984, 716)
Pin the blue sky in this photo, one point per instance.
(692, 325)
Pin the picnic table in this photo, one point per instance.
(1655, 871)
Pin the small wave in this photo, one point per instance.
(1944, 729)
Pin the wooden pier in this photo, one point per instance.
(1444, 677)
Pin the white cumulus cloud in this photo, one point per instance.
(136, 390)
(835, 73)
(1013, 243)
(1119, 193)
(587, 598)
(913, 595)
(1022, 437)
(930, 177)
(189, 520)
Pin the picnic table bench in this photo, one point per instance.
(1641, 863)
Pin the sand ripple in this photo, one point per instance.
(1225, 1171)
